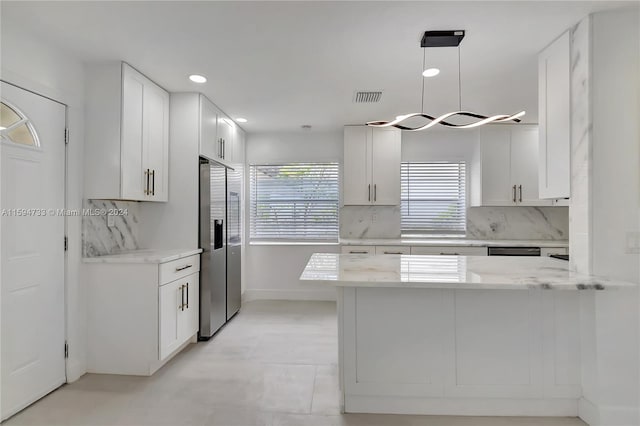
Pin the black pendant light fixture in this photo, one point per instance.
(444, 39)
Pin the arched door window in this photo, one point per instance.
(15, 127)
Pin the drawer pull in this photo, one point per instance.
(182, 268)
(358, 252)
(393, 252)
(450, 254)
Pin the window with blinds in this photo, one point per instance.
(295, 201)
(433, 198)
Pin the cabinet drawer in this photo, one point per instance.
(393, 250)
(358, 250)
(179, 268)
(450, 250)
(547, 251)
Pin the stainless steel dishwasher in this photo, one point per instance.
(514, 251)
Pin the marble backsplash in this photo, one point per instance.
(486, 223)
(518, 223)
(99, 239)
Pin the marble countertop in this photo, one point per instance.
(144, 256)
(450, 272)
(454, 242)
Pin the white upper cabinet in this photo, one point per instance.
(554, 67)
(505, 167)
(371, 166)
(218, 134)
(127, 144)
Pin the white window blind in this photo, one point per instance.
(433, 198)
(296, 201)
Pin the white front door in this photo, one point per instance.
(32, 248)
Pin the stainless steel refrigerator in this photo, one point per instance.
(221, 240)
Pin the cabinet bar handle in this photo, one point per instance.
(375, 192)
(187, 296)
(181, 307)
(153, 182)
(514, 193)
(182, 268)
(146, 188)
(450, 254)
(224, 148)
(393, 252)
(520, 188)
(358, 252)
(369, 192)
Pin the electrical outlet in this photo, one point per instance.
(111, 220)
(633, 242)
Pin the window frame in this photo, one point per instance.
(439, 233)
(275, 241)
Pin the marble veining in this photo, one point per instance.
(514, 223)
(581, 129)
(98, 239)
(370, 222)
(450, 272)
(144, 256)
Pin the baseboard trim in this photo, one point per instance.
(462, 406)
(320, 295)
(588, 412)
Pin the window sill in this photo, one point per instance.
(294, 243)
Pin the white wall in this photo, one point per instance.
(33, 64)
(273, 270)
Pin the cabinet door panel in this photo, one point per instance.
(170, 311)
(385, 166)
(188, 319)
(496, 167)
(524, 165)
(156, 140)
(208, 126)
(357, 173)
(133, 177)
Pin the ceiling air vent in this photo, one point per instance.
(367, 97)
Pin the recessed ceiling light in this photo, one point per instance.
(241, 120)
(198, 78)
(431, 72)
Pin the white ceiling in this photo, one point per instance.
(284, 64)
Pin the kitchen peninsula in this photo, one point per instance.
(465, 335)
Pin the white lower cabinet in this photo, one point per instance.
(140, 314)
(178, 313)
(449, 250)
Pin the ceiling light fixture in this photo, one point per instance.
(444, 39)
(430, 72)
(198, 78)
(241, 120)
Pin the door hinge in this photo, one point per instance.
(66, 243)
(66, 136)
(66, 350)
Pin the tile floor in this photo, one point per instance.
(272, 365)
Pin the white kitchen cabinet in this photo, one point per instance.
(358, 250)
(140, 314)
(218, 134)
(393, 250)
(127, 135)
(554, 113)
(178, 313)
(449, 250)
(371, 173)
(504, 170)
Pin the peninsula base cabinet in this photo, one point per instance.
(140, 315)
(459, 352)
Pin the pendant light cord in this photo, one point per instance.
(424, 56)
(459, 82)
